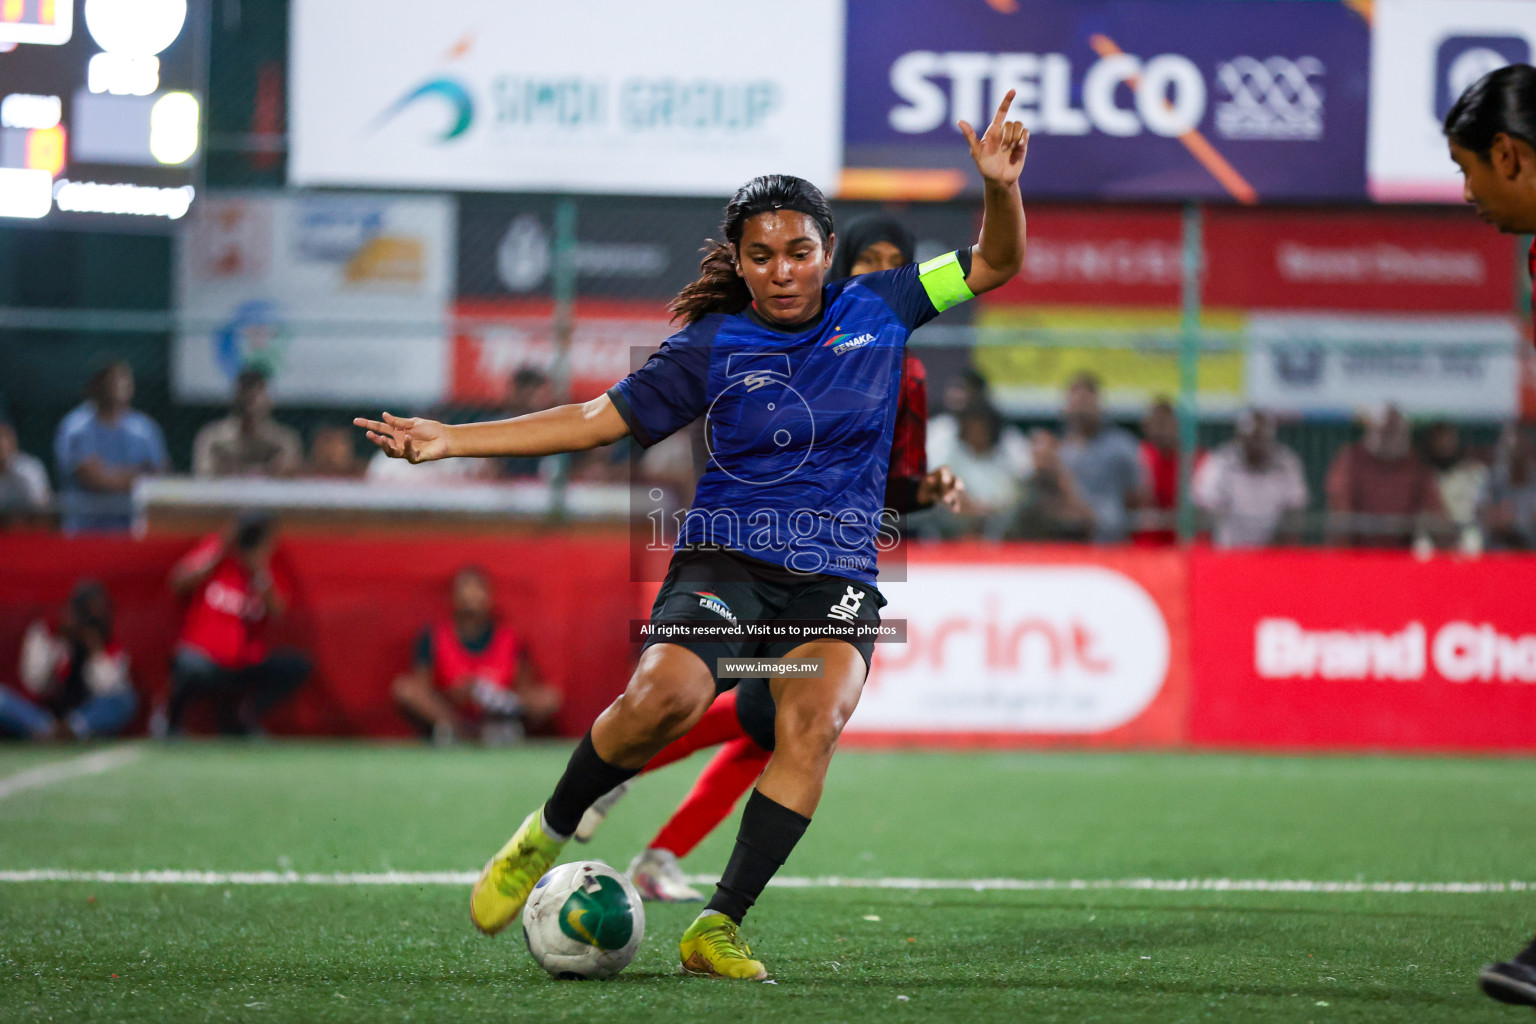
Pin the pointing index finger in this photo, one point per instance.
(1002, 109)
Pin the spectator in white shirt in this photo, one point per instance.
(994, 474)
(24, 490)
(1252, 487)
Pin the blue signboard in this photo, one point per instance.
(1257, 101)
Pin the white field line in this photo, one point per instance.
(75, 767)
(419, 878)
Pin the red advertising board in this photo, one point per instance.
(1443, 261)
(494, 338)
(1098, 256)
(359, 606)
(1363, 650)
(1007, 645)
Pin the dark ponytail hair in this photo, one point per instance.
(1501, 101)
(719, 289)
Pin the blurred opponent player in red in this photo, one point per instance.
(740, 721)
(1492, 134)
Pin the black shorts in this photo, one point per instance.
(708, 585)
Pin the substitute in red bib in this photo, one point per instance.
(1492, 134)
(472, 677)
(234, 591)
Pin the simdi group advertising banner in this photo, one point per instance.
(341, 297)
(662, 97)
(1260, 100)
(1424, 54)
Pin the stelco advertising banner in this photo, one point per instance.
(1321, 649)
(340, 298)
(1250, 101)
(1424, 54)
(1006, 643)
(664, 97)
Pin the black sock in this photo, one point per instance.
(1527, 956)
(769, 831)
(587, 777)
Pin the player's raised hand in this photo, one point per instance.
(410, 438)
(999, 154)
(941, 486)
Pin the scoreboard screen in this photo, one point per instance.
(100, 108)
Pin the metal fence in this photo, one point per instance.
(571, 282)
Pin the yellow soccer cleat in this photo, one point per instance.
(510, 876)
(712, 948)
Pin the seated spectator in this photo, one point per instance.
(333, 456)
(247, 442)
(1461, 480)
(994, 475)
(24, 490)
(234, 591)
(1104, 460)
(1158, 522)
(472, 677)
(1052, 507)
(1252, 487)
(1509, 504)
(1380, 493)
(102, 446)
(76, 677)
(965, 392)
(529, 389)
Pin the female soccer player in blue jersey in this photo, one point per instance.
(1491, 129)
(797, 379)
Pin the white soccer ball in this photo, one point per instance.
(583, 920)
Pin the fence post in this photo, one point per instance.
(563, 318)
(1189, 366)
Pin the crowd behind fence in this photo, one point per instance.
(1081, 472)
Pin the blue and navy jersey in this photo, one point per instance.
(798, 422)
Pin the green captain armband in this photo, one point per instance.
(944, 281)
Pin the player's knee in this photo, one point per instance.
(658, 707)
(809, 732)
(403, 689)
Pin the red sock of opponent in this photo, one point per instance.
(729, 774)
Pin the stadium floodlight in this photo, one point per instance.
(135, 28)
(25, 192)
(173, 128)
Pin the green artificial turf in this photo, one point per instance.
(100, 951)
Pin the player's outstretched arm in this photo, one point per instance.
(565, 428)
(999, 156)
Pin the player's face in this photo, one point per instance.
(880, 256)
(471, 596)
(1499, 184)
(784, 262)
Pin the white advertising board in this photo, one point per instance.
(341, 298)
(1070, 649)
(683, 97)
(1424, 53)
(1335, 364)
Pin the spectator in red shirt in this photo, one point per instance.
(75, 677)
(473, 678)
(221, 656)
(1380, 493)
(1158, 520)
